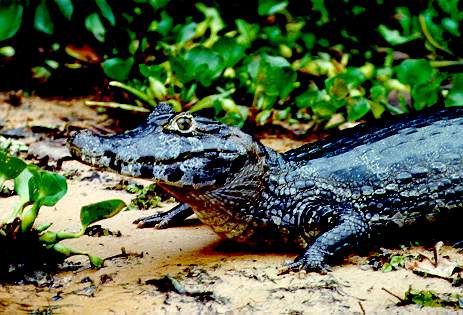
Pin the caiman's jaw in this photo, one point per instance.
(174, 149)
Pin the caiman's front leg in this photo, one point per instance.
(349, 229)
(167, 219)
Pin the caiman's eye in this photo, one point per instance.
(183, 122)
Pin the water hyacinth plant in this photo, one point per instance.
(22, 243)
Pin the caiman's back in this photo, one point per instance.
(407, 171)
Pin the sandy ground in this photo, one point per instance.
(188, 269)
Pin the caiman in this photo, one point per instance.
(328, 197)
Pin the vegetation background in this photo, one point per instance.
(297, 64)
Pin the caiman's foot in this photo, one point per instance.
(311, 260)
(167, 219)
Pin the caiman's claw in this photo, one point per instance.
(164, 220)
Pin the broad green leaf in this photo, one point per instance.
(10, 167)
(310, 97)
(394, 37)
(452, 26)
(118, 68)
(358, 109)
(425, 95)
(200, 63)
(93, 24)
(157, 88)
(415, 71)
(158, 4)
(66, 7)
(163, 26)
(187, 94)
(212, 16)
(47, 188)
(248, 32)
(10, 19)
(101, 210)
(42, 19)
(106, 11)
(273, 77)
(340, 85)
(21, 183)
(263, 117)
(405, 19)
(40, 73)
(455, 96)
(186, 33)
(378, 93)
(270, 7)
(7, 51)
(230, 51)
(154, 71)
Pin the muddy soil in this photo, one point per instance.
(185, 269)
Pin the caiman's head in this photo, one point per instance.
(174, 149)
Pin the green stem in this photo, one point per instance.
(117, 105)
(429, 37)
(28, 217)
(66, 251)
(51, 237)
(134, 91)
(446, 63)
(19, 208)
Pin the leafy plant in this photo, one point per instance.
(432, 299)
(37, 188)
(295, 64)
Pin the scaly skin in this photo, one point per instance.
(325, 197)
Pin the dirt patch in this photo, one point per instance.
(186, 269)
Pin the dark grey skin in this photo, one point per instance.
(326, 197)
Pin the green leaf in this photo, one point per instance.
(154, 71)
(106, 11)
(158, 4)
(101, 210)
(10, 19)
(163, 26)
(248, 32)
(118, 68)
(42, 20)
(21, 182)
(455, 96)
(157, 88)
(452, 26)
(274, 76)
(212, 16)
(425, 95)
(394, 37)
(378, 93)
(263, 117)
(47, 188)
(66, 7)
(230, 51)
(200, 63)
(415, 71)
(358, 109)
(186, 33)
(10, 167)
(270, 7)
(93, 24)
(7, 51)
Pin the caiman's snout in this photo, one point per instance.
(89, 148)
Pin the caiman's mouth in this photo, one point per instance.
(182, 157)
(110, 160)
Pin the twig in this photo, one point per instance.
(393, 294)
(361, 308)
